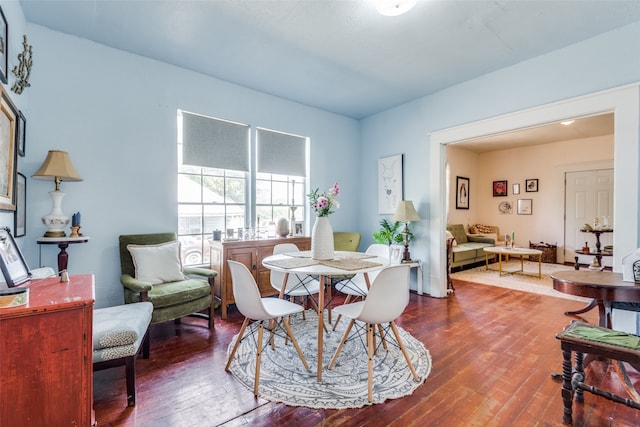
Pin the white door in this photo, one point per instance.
(588, 194)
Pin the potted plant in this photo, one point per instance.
(389, 233)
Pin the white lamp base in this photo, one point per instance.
(56, 220)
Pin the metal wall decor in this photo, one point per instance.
(22, 71)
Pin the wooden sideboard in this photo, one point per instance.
(250, 253)
(46, 354)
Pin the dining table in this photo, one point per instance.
(343, 264)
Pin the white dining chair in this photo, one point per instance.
(298, 285)
(261, 311)
(387, 299)
(356, 287)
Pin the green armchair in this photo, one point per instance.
(171, 289)
(346, 241)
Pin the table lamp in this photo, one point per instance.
(405, 212)
(57, 167)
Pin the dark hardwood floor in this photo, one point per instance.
(493, 351)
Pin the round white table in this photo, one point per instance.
(301, 263)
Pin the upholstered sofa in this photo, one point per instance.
(468, 249)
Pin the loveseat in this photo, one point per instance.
(468, 249)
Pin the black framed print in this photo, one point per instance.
(500, 188)
(12, 263)
(462, 192)
(20, 214)
(531, 185)
(4, 47)
(22, 131)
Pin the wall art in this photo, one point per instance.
(531, 185)
(525, 207)
(390, 183)
(20, 214)
(462, 192)
(8, 157)
(500, 188)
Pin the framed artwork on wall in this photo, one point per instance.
(390, 183)
(22, 131)
(462, 192)
(531, 185)
(8, 158)
(525, 207)
(20, 214)
(500, 188)
(516, 189)
(4, 47)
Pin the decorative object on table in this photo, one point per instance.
(322, 233)
(21, 136)
(14, 297)
(8, 148)
(299, 228)
(500, 189)
(631, 266)
(406, 212)
(390, 183)
(585, 248)
(462, 192)
(20, 214)
(57, 167)
(12, 263)
(388, 233)
(525, 207)
(531, 185)
(282, 227)
(217, 235)
(505, 208)
(22, 71)
(4, 48)
(292, 209)
(516, 189)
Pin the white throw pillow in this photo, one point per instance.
(157, 263)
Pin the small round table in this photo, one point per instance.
(63, 243)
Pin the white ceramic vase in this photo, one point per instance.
(322, 239)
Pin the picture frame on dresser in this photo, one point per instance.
(12, 263)
(299, 229)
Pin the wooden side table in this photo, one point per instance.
(63, 243)
(598, 254)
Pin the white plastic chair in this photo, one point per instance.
(387, 299)
(356, 287)
(259, 310)
(297, 285)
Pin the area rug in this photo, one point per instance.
(518, 281)
(284, 379)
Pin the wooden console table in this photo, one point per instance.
(250, 253)
(46, 355)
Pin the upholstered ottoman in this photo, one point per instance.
(117, 334)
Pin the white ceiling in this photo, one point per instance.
(337, 55)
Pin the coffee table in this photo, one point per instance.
(518, 252)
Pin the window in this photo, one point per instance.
(234, 177)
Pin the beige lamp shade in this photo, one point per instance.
(406, 212)
(57, 166)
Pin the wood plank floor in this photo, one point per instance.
(493, 351)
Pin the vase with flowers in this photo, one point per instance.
(323, 205)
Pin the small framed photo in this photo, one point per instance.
(525, 207)
(462, 192)
(22, 131)
(531, 185)
(299, 230)
(12, 263)
(500, 188)
(516, 189)
(20, 214)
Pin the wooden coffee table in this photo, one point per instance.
(518, 252)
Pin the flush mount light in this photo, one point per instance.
(394, 7)
(567, 122)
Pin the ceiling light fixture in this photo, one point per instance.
(394, 7)
(567, 122)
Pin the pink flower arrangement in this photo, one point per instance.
(323, 204)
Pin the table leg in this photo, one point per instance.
(539, 266)
(63, 257)
(320, 324)
(593, 304)
(522, 263)
(500, 264)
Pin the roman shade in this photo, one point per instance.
(281, 153)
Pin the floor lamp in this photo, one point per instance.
(405, 212)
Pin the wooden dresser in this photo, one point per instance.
(46, 355)
(250, 253)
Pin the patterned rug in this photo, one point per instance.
(518, 281)
(284, 379)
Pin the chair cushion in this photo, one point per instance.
(173, 293)
(458, 233)
(156, 264)
(119, 330)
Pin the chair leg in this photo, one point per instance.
(346, 301)
(235, 346)
(285, 322)
(370, 329)
(256, 382)
(404, 351)
(382, 338)
(342, 341)
(146, 345)
(130, 373)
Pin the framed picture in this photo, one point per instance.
(20, 215)
(390, 183)
(4, 47)
(516, 189)
(14, 267)
(8, 158)
(505, 207)
(524, 207)
(22, 131)
(462, 192)
(500, 188)
(299, 230)
(531, 185)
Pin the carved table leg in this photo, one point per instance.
(567, 389)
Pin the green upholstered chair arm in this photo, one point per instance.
(199, 271)
(481, 239)
(134, 284)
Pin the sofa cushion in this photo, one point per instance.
(458, 233)
(482, 228)
(156, 264)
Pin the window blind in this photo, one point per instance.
(281, 153)
(214, 143)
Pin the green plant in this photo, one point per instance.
(389, 233)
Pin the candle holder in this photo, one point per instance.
(292, 221)
(75, 231)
